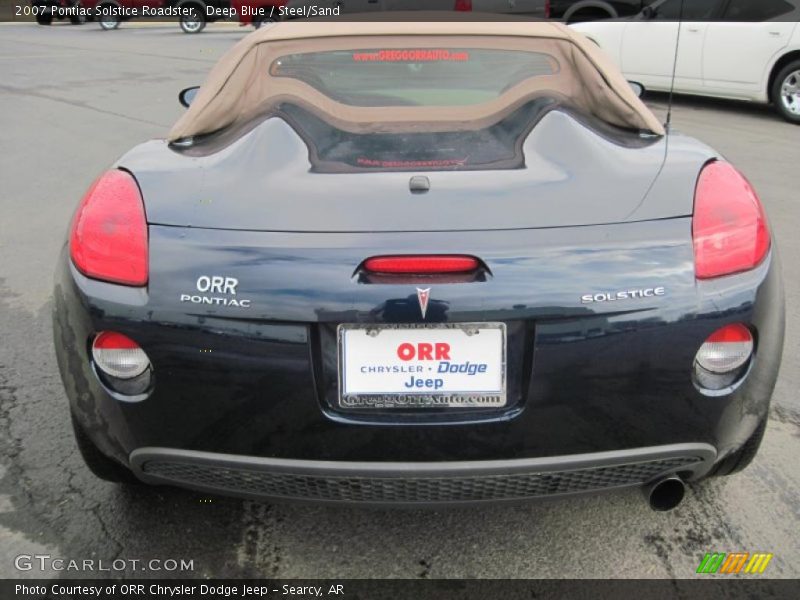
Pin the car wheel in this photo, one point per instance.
(786, 92)
(739, 460)
(44, 19)
(108, 22)
(80, 18)
(97, 462)
(193, 23)
(588, 14)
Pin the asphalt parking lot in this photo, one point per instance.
(72, 99)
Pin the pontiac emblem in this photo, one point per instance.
(423, 296)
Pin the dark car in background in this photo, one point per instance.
(197, 13)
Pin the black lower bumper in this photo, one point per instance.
(418, 484)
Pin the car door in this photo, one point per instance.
(647, 53)
(648, 44)
(739, 51)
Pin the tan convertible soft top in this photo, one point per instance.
(240, 86)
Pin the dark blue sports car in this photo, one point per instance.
(414, 264)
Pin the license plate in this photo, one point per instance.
(422, 366)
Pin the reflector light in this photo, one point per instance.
(119, 356)
(726, 349)
(108, 239)
(730, 228)
(421, 264)
(463, 5)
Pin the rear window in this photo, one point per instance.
(374, 77)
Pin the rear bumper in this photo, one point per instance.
(418, 484)
(584, 381)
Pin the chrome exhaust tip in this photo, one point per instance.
(665, 494)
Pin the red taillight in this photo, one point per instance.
(421, 264)
(730, 334)
(111, 340)
(546, 9)
(730, 228)
(108, 239)
(463, 5)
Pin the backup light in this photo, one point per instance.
(108, 239)
(723, 357)
(119, 356)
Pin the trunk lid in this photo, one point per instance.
(566, 174)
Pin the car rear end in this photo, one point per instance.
(540, 306)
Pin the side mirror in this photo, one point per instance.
(637, 88)
(186, 97)
(648, 13)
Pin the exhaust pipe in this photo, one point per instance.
(665, 494)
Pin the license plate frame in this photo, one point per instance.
(447, 400)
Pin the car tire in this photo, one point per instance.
(97, 462)
(44, 19)
(740, 459)
(589, 14)
(194, 23)
(80, 18)
(786, 92)
(108, 22)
